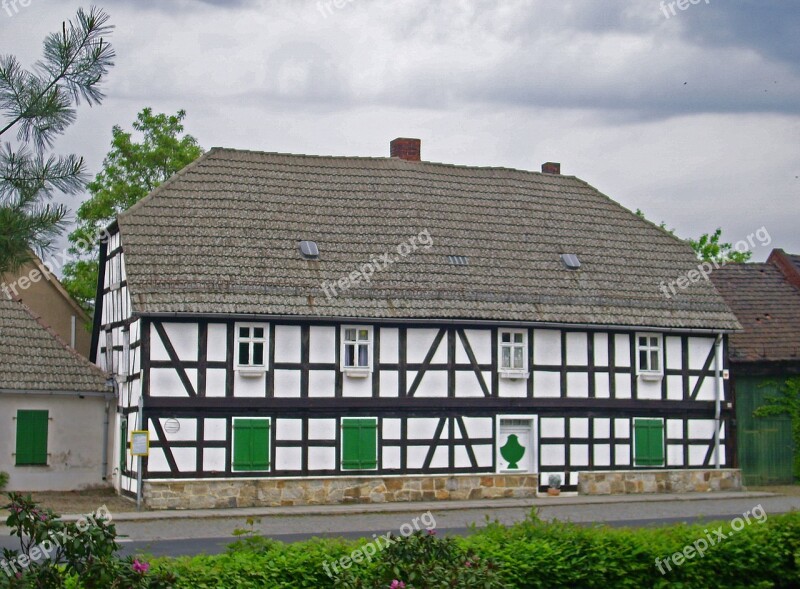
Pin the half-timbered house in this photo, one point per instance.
(295, 328)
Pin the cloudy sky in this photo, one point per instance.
(690, 113)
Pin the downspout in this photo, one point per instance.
(718, 388)
(106, 423)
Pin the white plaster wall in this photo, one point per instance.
(288, 458)
(322, 344)
(433, 383)
(321, 383)
(547, 347)
(508, 388)
(478, 427)
(217, 342)
(648, 389)
(480, 340)
(577, 349)
(216, 381)
(391, 429)
(601, 349)
(551, 427)
(602, 454)
(577, 384)
(287, 343)
(74, 444)
(546, 384)
(699, 348)
(357, 386)
(391, 457)
(390, 341)
(602, 389)
(622, 350)
(321, 458)
(165, 382)
(419, 342)
(215, 429)
(322, 429)
(602, 427)
(287, 384)
(672, 346)
(389, 385)
(288, 429)
(214, 459)
(183, 337)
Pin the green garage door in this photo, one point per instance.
(765, 443)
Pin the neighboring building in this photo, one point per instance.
(322, 329)
(35, 286)
(766, 299)
(55, 408)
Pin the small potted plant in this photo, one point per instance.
(554, 480)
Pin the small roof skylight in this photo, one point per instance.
(309, 250)
(458, 260)
(570, 261)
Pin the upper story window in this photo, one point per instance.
(251, 344)
(649, 354)
(513, 350)
(357, 344)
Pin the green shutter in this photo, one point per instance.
(250, 444)
(359, 444)
(649, 442)
(32, 437)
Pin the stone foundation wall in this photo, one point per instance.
(621, 482)
(328, 491)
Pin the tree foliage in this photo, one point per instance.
(40, 104)
(131, 170)
(709, 249)
(787, 402)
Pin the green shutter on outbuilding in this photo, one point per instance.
(32, 429)
(250, 444)
(359, 444)
(649, 442)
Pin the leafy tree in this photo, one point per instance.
(709, 249)
(40, 104)
(663, 224)
(786, 403)
(131, 170)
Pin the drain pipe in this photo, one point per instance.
(718, 389)
(106, 423)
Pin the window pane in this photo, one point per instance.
(350, 335)
(654, 342)
(518, 357)
(505, 360)
(349, 355)
(518, 338)
(654, 360)
(642, 341)
(258, 332)
(363, 355)
(505, 337)
(363, 334)
(643, 360)
(244, 332)
(258, 354)
(244, 354)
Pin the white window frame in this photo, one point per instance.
(534, 459)
(649, 373)
(358, 370)
(509, 372)
(251, 369)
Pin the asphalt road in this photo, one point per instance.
(176, 537)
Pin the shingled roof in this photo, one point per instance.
(222, 237)
(33, 359)
(768, 307)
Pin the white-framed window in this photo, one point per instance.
(649, 354)
(251, 346)
(513, 348)
(356, 348)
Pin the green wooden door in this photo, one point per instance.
(764, 443)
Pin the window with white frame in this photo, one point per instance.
(513, 351)
(649, 354)
(251, 344)
(356, 343)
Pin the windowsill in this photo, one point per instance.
(651, 376)
(251, 372)
(514, 374)
(357, 372)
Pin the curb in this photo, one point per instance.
(417, 506)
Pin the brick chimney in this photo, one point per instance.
(551, 168)
(406, 149)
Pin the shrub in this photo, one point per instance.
(3, 479)
(53, 553)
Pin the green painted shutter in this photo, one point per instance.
(250, 444)
(32, 437)
(649, 442)
(359, 444)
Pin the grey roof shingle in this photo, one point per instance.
(34, 359)
(221, 237)
(768, 308)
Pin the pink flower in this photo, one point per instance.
(431, 532)
(468, 564)
(140, 567)
(397, 585)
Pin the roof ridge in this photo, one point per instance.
(386, 158)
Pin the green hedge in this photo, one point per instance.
(534, 554)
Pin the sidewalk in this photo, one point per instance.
(567, 499)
